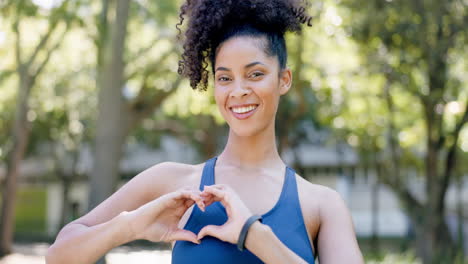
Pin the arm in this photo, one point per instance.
(262, 242)
(91, 242)
(120, 219)
(336, 238)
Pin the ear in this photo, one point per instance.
(285, 81)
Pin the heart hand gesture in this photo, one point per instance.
(236, 210)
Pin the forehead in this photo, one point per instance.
(243, 50)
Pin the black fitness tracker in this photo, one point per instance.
(245, 229)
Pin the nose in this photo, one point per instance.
(240, 90)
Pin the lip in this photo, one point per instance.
(243, 115)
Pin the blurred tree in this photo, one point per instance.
(297, 114)
(131, 87)
(412, 48)
(121, 109)
(201, 131)
(27, 68)
(62, 128)
(109, 139)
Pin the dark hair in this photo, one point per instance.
(211, 22)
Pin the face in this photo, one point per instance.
(248, 84)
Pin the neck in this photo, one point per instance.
(252, 152)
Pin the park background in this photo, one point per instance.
(90, 97)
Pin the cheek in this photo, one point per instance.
(270, 94)
(272, 100)
(220, 98)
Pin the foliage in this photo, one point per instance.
(30, 215)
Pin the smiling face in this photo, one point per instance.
(248, 84)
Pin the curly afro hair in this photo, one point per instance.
(211, 22)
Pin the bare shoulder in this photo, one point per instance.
(313, 192)
(310, 200)
(148, 185)
(169, 176)
(331, 225)
(165, 177)
(312, 188)
(325, 198)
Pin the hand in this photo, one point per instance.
(236, 210)
(157, 220)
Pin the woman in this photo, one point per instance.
(246, 197)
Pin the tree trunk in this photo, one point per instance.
(461, 219)
(20, 136)
(441, 250)
(375, 211)
(66, 207)
(110, 135)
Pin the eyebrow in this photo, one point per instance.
(245, 67)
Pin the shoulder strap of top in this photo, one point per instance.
(291, 177)
(291, 186)
(207, 177)
(289, 183)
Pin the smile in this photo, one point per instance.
(244, 111)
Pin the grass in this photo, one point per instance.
(30, 211)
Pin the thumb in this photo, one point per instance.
(210, 230)
(182, 234)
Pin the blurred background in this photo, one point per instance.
(90, 97)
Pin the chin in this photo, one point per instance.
(246, 131)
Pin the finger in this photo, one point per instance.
(182, 234)
(210, 230)
(188, 194)
(218, 195)
(208, 198)
(214, 190)
(192, 195)
(189, 203)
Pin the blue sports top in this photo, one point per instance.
(285, 219)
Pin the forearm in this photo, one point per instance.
(262, 242)
(81, 244)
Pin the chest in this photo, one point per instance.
(262, 192)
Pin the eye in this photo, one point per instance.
(224, 79)
(256, 74)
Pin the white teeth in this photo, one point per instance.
(245, 109)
